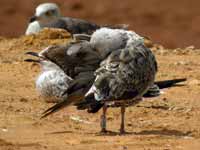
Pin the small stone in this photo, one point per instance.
(190, 47)
(188, 137)
(23, 99)
(194, 82)
(4, 130)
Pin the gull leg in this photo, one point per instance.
(122, 130)
(103, 120)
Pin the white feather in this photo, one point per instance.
(43, 8)
(52, 82)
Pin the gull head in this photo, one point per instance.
(43, 59)
(46, 12)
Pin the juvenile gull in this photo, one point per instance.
(49, 15)
(122, 78)
(71, 65)
(52, 81)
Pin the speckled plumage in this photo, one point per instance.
(52, 81)
(131, 69)
(51, 85)
(126, 74)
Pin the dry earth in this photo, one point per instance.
(168, 122)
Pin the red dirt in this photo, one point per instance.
(173, 23)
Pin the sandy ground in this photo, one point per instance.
(168, 122)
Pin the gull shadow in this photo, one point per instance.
(59, 132)
(155, 107)
(114, 133)
(165, 132)
(161, 132)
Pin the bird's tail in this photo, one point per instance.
(75, 93)
(71, 99)
(169, 83)
(155, 89)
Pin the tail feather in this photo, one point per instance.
(71, 99)
(54, 108)
(155, 89)
(169, 83)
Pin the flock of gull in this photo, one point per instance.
(103, 66)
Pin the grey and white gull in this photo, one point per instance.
(49, 15)
(52, 80)
(62, 66)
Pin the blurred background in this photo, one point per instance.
(172, 23)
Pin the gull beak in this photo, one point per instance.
(32, 54)
(33, 60)
(33, 18)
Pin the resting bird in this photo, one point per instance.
(48, 15)
(52, 81)
(63, 66)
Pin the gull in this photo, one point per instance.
(123, 78)
(62, 66)
(49, 15)
(52, 81)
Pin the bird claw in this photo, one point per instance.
(122, 132)
(103, 131)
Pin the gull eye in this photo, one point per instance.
(53, 11)
(48, 13)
